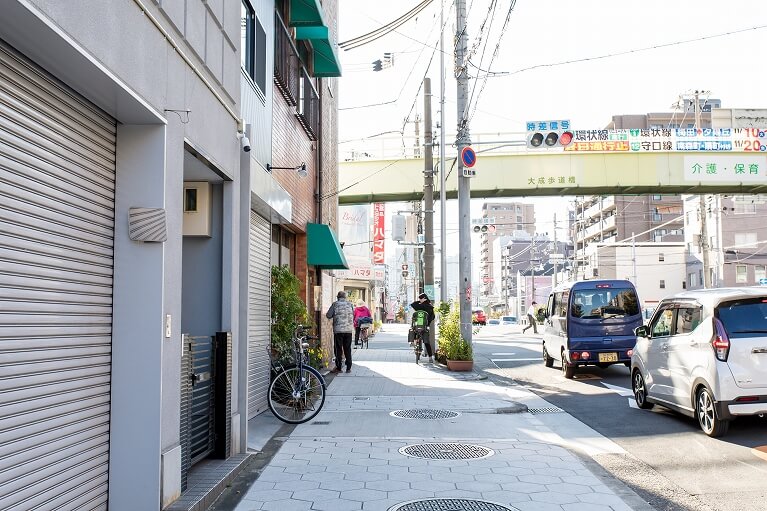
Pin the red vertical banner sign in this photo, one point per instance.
(378, 233)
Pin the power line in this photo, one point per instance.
(626, 52)
(383, 30)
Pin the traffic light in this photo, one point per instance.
(377, 65)
(549, 138)
(485, 229)
(398, 230)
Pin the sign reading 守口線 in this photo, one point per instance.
(720, 167)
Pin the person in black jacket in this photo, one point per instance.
(424, 304)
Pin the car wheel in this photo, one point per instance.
(568, 371)
(548, 361)
(707, 416)
(640, 391)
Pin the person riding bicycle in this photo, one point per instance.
(423, 305)
(362, 315)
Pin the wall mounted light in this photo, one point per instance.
(301, 169)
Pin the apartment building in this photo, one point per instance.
(503, 219)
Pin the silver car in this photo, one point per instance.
(704, 354)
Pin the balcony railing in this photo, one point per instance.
(308, 108)
(287, 65)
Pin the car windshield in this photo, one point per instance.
(744, 316)
(604, 303)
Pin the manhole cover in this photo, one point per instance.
(451, 505)
(424, 414)
(446, 451)
(536, 411)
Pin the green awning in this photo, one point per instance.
(306, 13)
(326, 63)
(323, 249)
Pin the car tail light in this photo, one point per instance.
(747, 399)
(575, 355)
(720, 342)
(585, 354)
(630, 353)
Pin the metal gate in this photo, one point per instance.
(57, 193)
(259, 313)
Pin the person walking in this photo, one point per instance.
(424, 304)
(531, 318)
(360, 311)
(342, 314)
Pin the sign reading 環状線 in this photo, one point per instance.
(719, 167)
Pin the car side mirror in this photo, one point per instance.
(545, 313)
(642, 331)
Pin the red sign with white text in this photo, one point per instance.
(378, 233)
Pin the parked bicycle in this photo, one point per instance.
(297, 391)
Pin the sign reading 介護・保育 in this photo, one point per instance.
(721, 167)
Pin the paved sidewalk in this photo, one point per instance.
(349, 456)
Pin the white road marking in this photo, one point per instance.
(621, 391)
(633, 403)
(514, 359)
(502, 354)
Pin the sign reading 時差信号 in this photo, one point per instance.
(667, 139)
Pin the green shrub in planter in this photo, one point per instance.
(288, 310)
(451, 344)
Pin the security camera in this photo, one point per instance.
(245, 143)
(302, 170)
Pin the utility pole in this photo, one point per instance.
(428, 200)
(704, 245)
(442, 177)
(634, 257)
(556, 251)
(464, 187)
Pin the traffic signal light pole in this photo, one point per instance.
(464, 187)
(428, 200)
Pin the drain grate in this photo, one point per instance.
(551, 409)
(420, 413)
(434, 451)
(451, 505)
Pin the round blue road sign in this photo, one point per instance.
(468, 157)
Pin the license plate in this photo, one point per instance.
(608, 357)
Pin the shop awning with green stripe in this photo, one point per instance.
(326, 62)
(323, 249)
(306, 13)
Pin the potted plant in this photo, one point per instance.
(288, 310)
(456, 350)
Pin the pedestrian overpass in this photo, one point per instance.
(599, 162)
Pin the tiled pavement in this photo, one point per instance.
(348, 457)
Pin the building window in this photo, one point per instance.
(253, 46)
(247, 35)
(661, 257)
(760, 272)
(741, 205)
(745, 240)
(663, 284)
(656, 197)
(693, 278)
(741, 274)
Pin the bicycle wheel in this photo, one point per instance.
(296, 396)
(417, 347)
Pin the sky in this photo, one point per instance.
(538, 37)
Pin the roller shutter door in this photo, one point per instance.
(259, 313)
(57, 188)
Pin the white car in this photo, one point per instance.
(704, 354)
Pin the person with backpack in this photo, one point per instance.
(342, 314)
(424, 305)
